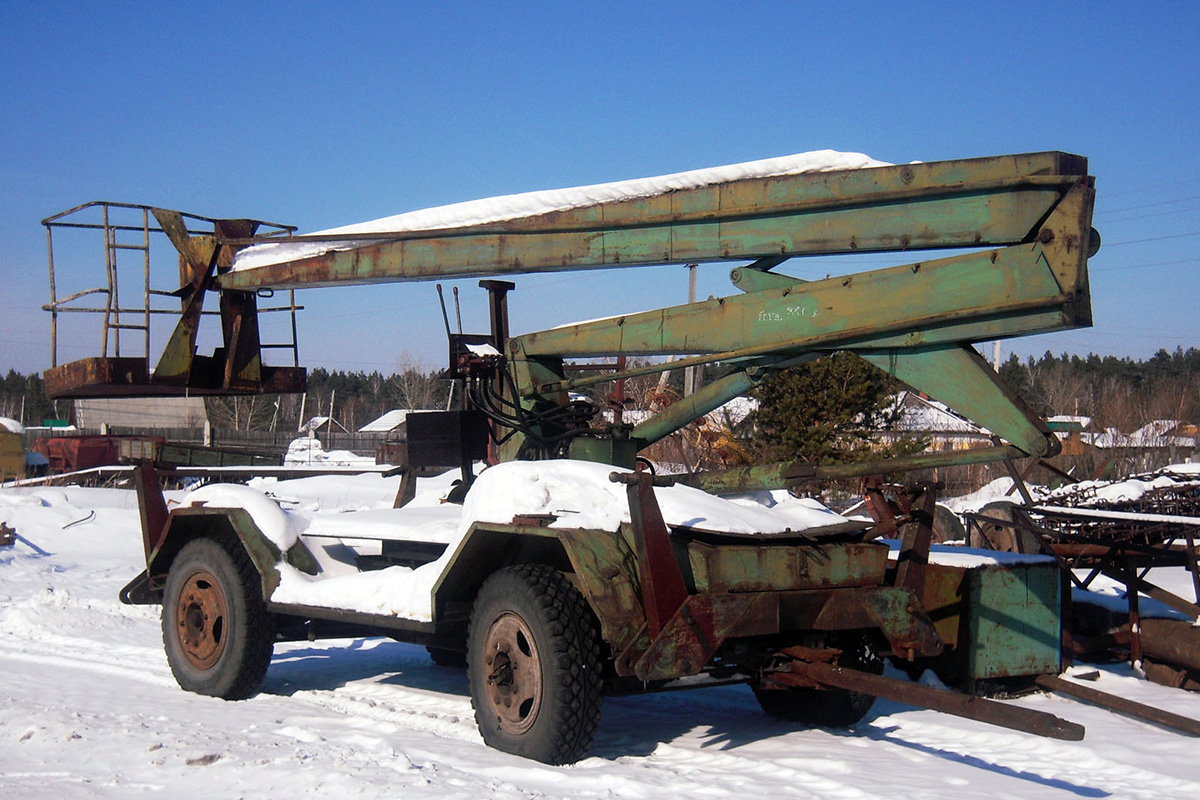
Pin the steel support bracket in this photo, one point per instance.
(663, 588)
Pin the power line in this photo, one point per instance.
(1148, 205)
(1153, 239)
(1155, 214)
(1143, 266)
(1152, 188)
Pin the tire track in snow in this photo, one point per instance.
(100, 668)
(415, 710)
(409, 709)
(387, 708)
(141, 664)
(671, 769)
(696, 771)
(683, 768)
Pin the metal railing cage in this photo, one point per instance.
(129, 233)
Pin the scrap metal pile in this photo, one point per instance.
(1120, 530)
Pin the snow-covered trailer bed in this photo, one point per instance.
(555, 581)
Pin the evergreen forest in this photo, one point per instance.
(822, 410)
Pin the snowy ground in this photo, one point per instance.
(89, 709)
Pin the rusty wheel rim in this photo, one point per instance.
(514, 673)
(200, 619)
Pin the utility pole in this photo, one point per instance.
(689, 373)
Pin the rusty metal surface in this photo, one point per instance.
(96, 377)
(201, 617)
(744, 590)
(696, 631)
(1014, 623)
(683, 645)
(946, 599)
(917, 503)
(1132, 532)
(894, 610)
(883, 510)
(243, 348)
(1135, 581)
(912, 321)
(1112, 542)
(197, 263)
(73, 453)
(1174, 641)
(977, 708)
(915, 322)
(977, 202)
(668, 606)
(130, 377)
(797, 473)
(186, 523)
(997, 621)
(1167, 648)
(152, 506)
(606, 569)
(1167, 675)
(783, 567)
(202, 255)
(871, 311)
(662, 584)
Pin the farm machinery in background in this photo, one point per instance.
(1119, 530)
(550, 616)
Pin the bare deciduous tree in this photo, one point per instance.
(411, 388)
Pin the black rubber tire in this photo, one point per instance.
(947, 527)
(1001, 537)
(830, 708)
(555, 722)
(445, 657)
(226, 653)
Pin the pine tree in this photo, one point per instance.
(828, 410)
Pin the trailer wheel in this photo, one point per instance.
(216, 627)
(533, 662)
(831, 708)
(445, 657)
(1004, 536)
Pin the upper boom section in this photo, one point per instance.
(1026, 219)
(945, 204)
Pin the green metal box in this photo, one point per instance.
(998, 619)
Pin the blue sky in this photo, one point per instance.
(321, 114)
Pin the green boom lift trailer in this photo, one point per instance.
(550, 617)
